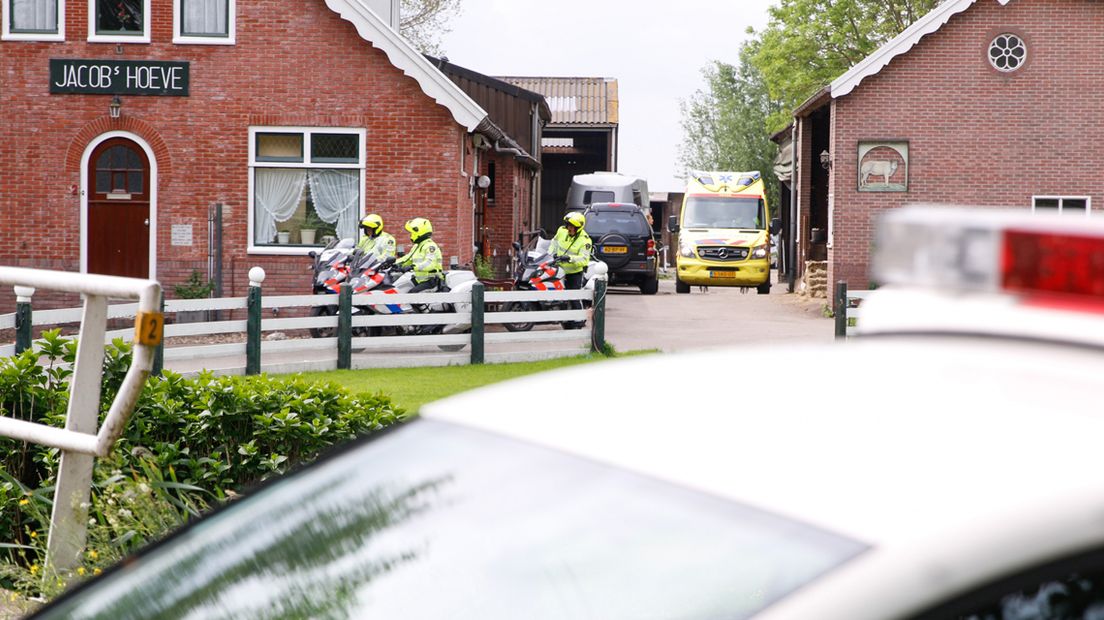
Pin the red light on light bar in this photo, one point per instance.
(1053, 263)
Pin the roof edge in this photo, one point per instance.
(403, 56)
(814, 102)
(902, 43)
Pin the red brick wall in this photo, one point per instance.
(508, 214)
(977, 136)
(295, 63)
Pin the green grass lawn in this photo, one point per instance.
(410, 388)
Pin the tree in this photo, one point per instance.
(809, 43)
(805, 45)
(423, 22)
(725, 125)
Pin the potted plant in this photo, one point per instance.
(311, 224)
(283, 236)
(193, 288)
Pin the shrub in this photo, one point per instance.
(188, 438)
(194, 287)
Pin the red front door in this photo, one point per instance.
(119, 209)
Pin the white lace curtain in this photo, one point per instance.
(336, 195)
(279, 192)
(34, 14)
(205, 16)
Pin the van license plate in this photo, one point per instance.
(722, 274)
(615, 249)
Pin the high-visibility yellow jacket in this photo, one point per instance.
(382, 245)
(576, 250)
(425, 258)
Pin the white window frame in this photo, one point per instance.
(191, 39)
(8, 35)
(307, 132)
(1061, 202)
(119, 38)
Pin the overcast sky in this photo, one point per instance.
(655, 50)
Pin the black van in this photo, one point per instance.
(623, 239)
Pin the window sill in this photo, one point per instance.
(213, 40)
(283, 250)
(27, 36)
(104, 38)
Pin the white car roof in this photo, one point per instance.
(875, 441)
(956, 459)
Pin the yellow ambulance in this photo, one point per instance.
(724, 232)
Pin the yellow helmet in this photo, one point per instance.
(575, 219)
(372, 224)
(419, 228)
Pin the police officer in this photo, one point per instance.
(571, 247)
(424, 258)
(373, 240)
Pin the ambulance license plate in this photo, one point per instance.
(722, 274)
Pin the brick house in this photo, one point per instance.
(986, 102)
(509, 161)
(132, 126)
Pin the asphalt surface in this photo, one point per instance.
(714, 318)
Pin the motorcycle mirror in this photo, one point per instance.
(312, 254)
(517, 246)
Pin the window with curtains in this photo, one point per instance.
(306, 186)
(204, 21)
(36, 20)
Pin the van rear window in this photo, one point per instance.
(592, 196)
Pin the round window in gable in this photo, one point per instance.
(1007, 52)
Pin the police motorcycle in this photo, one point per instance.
(537, 270)
(392, 281)
(332, 267)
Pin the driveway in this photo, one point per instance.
(718, 317)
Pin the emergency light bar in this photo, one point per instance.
(724, 179)
(1032, 255)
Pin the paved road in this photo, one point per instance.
(718, 317)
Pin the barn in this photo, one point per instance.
(980, 102)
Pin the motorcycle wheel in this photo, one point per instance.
(323, 332)
(520, 306)
(452, 348)
(573, 324)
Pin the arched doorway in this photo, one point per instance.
(118, 225)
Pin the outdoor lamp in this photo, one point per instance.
(115, 107)
(825, 160)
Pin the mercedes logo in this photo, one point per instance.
(723, 253)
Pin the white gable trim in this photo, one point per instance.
(872, 64)
(443, 90)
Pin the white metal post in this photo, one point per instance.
(74, 481)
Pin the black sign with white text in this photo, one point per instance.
(119, 77)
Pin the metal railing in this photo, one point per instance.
(80, 441)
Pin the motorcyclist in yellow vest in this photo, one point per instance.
(373, 240)
(571, 247)
(424, 258)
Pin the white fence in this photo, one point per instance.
(286, 345)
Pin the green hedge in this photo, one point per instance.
(206, 436)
